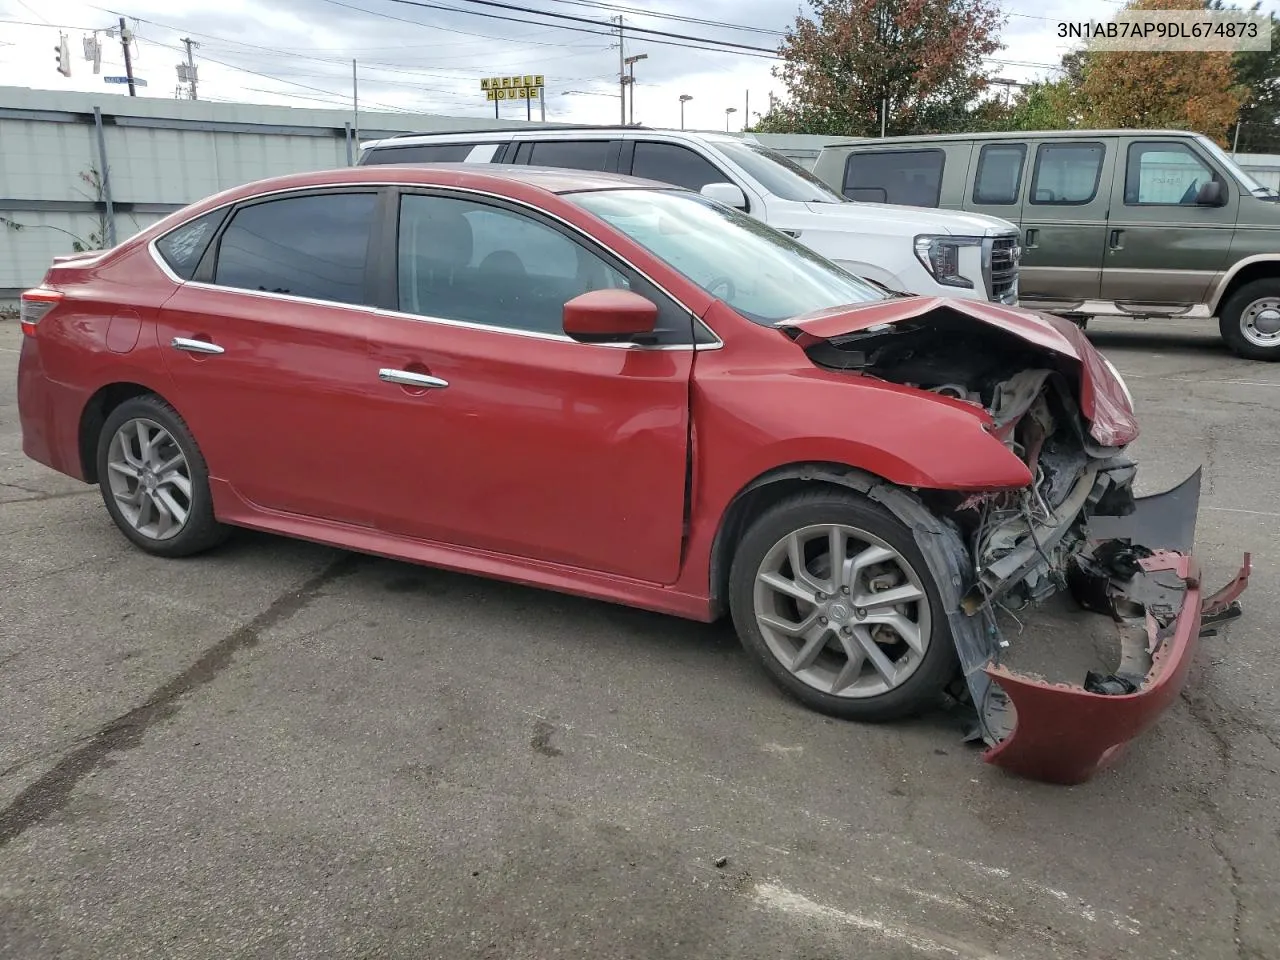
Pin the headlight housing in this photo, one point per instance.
(941, 257)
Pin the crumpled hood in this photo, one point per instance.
(914, 220)
(1103, 398)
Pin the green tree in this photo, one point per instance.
(1259, 72)
(922, 59)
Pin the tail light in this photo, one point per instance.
(35, 304)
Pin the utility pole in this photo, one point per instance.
(191, 68)
(631, 80)
(746, 112)
(355, 105)
(622, 73)
(125, 37)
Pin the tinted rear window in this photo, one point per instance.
(313, 246)
(570, 154)
(911, 177)
(999, 178)
(424, 153)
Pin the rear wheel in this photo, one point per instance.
(1250, 320)
(154, 481)
(831, 594)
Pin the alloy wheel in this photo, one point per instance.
(149, 478)
(842, 610)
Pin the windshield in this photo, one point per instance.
(779, 175)
(761, 273)
(1246, 181)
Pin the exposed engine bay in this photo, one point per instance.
(1072, 586)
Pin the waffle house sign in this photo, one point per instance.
(526, 87)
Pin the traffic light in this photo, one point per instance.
(64, 56)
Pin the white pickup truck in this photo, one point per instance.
(908, 249)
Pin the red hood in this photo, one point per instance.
(1102, 397)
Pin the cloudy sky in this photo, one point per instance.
(431, 58)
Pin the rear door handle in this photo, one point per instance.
(195, 346)
(1117, 240)
(408, 378)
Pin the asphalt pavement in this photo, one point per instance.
(280, 750)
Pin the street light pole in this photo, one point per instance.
(727, 111)
(684, 98)
(631, 79)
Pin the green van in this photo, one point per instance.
(1115, 223)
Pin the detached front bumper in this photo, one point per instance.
(1064, 733)
(1138, 575)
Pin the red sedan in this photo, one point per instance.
(612, 388)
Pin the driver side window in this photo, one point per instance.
(1163, 174)
(481, 263)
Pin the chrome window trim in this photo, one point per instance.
(160, 261)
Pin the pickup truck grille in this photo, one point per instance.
(1002, 272)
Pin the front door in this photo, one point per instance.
(498, 432)
(1163, 247)
(1064, 220)
(267, 356)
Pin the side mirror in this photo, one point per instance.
(1210, 195)
(603, 316)
(730, 194)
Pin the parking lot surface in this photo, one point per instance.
(283, 750)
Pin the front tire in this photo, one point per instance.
(1250, 320)
(864, 638)
(154, 481)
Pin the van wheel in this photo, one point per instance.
(1250, 320)
(831, 594)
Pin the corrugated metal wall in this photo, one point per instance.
(161, 155)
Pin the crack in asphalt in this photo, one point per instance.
(37, 494)
(51, 792)
(1197, 707)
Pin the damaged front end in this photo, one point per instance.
(1081, 604)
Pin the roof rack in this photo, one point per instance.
(524, 128)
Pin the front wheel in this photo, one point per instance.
(154, 480)
(831, 594)
(1250, 320)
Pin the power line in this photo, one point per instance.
(647, 31)
(641, 12)
(510, 19)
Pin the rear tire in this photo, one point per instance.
(154, 481)
(849, 650)
(1250, 320)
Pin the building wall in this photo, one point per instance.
(161, 155)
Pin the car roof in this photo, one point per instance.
(1003, 135)
(489, 177)
(545, 133)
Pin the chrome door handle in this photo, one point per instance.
(410, 379)
(195, 346)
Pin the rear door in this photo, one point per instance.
(265, 350)
(1161, 246)
(1064, 219)
(522, 441)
